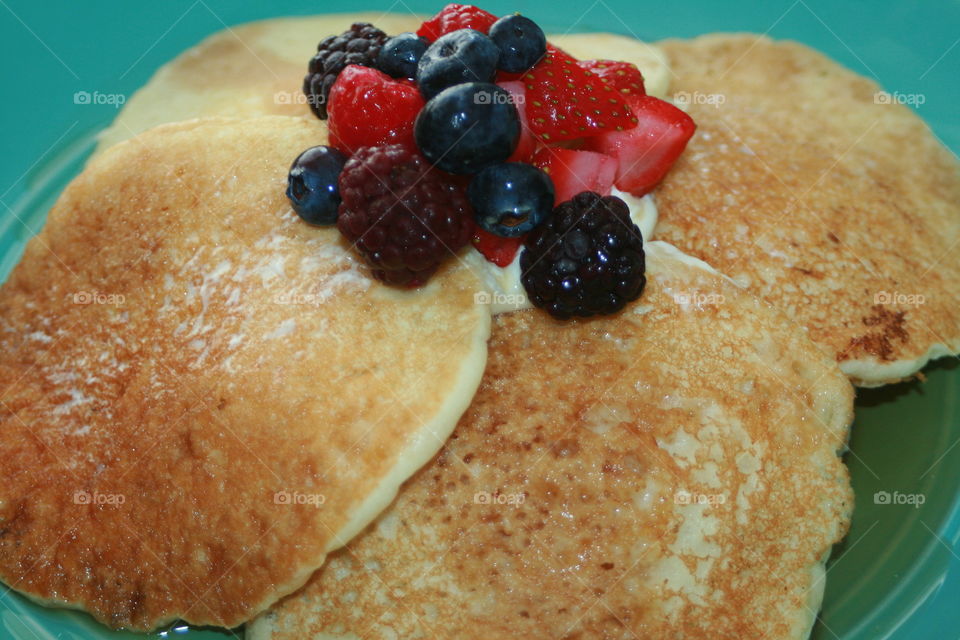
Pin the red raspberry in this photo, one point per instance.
(403, 215)
(456, 16)
(369, 108)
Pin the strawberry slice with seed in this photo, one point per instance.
(622, 76)
(566, 101)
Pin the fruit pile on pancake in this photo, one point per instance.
(220, 368)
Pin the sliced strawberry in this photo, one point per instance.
(368, 108)
(499, 251)
(575, 171)
(565, 101)
(647, 152)
(527, 144)
(456, 16)
(622, 76)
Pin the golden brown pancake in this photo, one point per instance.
(257, 69)
(671, 472)
(202, 395)
(824, 196)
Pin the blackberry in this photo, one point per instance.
(403, 215)
(586, 259)
(360, 44)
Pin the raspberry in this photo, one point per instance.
(360, 44)
(454, 17)
(586, 259)
(404, 216)
(368, 108)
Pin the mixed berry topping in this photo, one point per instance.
(587, 259)
(360, 44)
(476, 130)
(403, 215)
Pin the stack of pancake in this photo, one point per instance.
(210, 412)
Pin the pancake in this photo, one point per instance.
(249, 70)
(202, 395)
(671, 472)
(820, 194)
(257, 69)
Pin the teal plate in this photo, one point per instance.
(897, 574)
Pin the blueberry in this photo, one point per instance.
(312, 184)
(468, 127)
(401, 54)
(521, 42)
(510, 199)
(461, 56)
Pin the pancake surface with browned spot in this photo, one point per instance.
(670, 472)
(201, 394)
(816, 191)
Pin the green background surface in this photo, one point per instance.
(898, 573)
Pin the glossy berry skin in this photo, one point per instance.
(522, 43)
(510, 199)
(369, 108)
(401, 54)
(462, 56)
(468, 127)
(566, 101)
(312, 184)
(587, 259)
